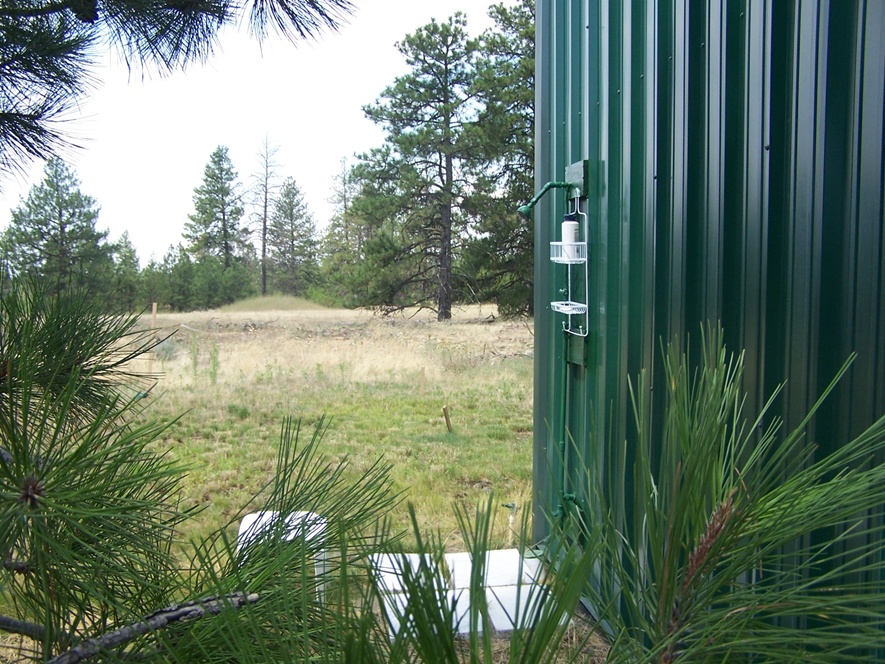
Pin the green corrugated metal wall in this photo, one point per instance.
(735, 152)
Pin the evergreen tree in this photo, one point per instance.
(292, 242)
(178, 272)
(126, 276)
(215, 227)
(345, 234)
(52, 235)
(152, 284)
(500, 261)
(343, 243)
(183, 283)
(430, 151)
(208, 287)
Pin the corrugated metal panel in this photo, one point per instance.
(736, 152)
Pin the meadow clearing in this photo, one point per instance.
(232, 376)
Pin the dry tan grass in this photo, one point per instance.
(369, 345)
(316, 315)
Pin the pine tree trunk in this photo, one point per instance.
(264, 243)
(444, 296)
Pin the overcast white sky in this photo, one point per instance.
(146, 142)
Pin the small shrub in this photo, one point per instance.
(239, 412)
(167, 350)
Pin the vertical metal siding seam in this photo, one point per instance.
(850, 216)
(854, 221)
(542, 470)
(870, 203)
(879, 90)
(625, 203)
(678, 146)
(878, 393)
(585, 88)
(576, 404)
(682, 152)
(712, 221)
(763, 148)
(749, 167)
(799, 165)
(599, 264)
(718, 48)
(752, 265)
(650, 218)
(813, 352)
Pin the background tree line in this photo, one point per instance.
(424, 219)
(53, 236)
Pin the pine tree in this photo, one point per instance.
(152, 284)
(178, 279)
(429, 153)
(343, 242)
(500, 260)
(345, 235)
(126, 275)
(52, 235)
(292, 243)
(215, 227)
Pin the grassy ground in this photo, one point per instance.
(234, 375)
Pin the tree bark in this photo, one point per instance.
(264, 242)
(189, 611)
(29, 629)
(444, 295)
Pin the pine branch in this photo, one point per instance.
(159, 620)
(15, 566)
(31, 12)
(22, 627)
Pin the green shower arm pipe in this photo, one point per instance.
(526, 210)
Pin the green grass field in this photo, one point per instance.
(232, 376)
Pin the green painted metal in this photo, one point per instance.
(734, 166)
(526, 210)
